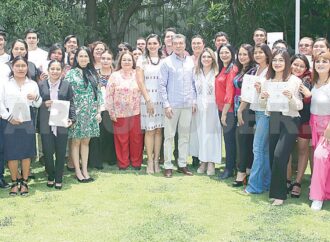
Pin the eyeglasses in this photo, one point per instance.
(122, 49)
(278, 61)
(304, 45)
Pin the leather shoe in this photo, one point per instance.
(185, 171)
(3, 183)
(226, 174)
(168, 173)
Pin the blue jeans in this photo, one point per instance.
(260, 176)
(2, 162)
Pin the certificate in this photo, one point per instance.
(277, 101)
(21, 110)
(59, 113)
(248, 92)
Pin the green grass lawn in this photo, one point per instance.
(133, 206)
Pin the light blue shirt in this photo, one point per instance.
(177, 86)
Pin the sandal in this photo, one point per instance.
(294, 192)
(24, 185)
(13, 185)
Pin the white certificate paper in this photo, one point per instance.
(248, 92)
(59, 113)
(276, 101)
(21, 110)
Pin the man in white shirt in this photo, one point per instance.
(4, 57)
(36, 55)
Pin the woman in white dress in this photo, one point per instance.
(208, 128)
(152, 113)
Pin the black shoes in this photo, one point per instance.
(195, 161)
(3, 183)
(226, 174)
(88, 180)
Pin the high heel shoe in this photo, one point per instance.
(24, 185)
(13, 185)
(81, 181)
(239, 183)
(242, 182)
(50, 184)
(294, 192)
(58, 186)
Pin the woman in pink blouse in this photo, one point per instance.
(123, 103)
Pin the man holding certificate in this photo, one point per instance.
(17, 98)
(280, 95)
(57, 113)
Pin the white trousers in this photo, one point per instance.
(180, 120)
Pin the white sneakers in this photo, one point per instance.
(316, 205)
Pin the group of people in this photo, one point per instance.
(160, 97)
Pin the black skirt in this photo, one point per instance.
(19, 141)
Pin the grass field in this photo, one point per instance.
(133, 206)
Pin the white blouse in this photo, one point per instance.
(320, 104)
(295, 103)
(11, 93)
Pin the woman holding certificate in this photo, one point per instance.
(17, 98)
(224, 93)
(259, 180)
(300, 68)
(88, 100)
(320, 123)
(280, 94)
(54, 137)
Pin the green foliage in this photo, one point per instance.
(56, 18)
(52, 19)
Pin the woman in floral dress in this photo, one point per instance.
(88, 99)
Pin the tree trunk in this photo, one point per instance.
(91, 18)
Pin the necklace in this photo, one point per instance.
(155, 64)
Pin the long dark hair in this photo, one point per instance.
(12, 47)
(89, 73)
(18, 58)
(251, 64)
(301, 57)
(147, 54)
(287, 69)
(232, 61)
(268, 53)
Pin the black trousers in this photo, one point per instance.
(245, 140)
(283, 131)
(102, 149)
(54, 144)
(229, 134)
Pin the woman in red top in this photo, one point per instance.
(224, 94)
